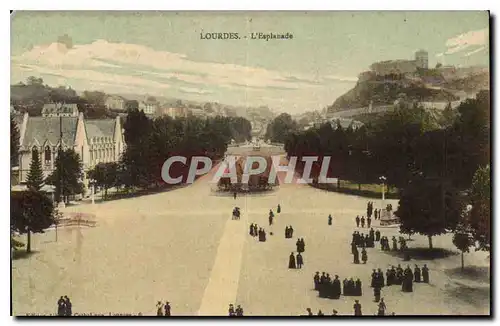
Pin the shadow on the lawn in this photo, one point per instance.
(474, 273)
(472, 295)
(22, 254)
(423, 253)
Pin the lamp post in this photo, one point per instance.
(382, 180)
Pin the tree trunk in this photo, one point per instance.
(430, 241)
(105, 193)
(28, 244)
(359, 186)
(338, 183)
(462, 261)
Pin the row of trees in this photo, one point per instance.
(432, 160)
(150, 142)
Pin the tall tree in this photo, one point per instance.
(34, 179)
(480, 215)
(280, 128)
(31, 211)
(67, 176)
(463, 240)
(429, 207)
(104, 176)
(14, 142)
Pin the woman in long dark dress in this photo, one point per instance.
(291, 262)
(61, 307)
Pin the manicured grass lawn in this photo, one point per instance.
(367, 190)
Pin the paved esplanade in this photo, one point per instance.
(182, 246)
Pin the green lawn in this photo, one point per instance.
(366, 190)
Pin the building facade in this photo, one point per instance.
(95, 141)
(174, 112)
(115, 103)
(401, 66)
(148, 108)
(422, 59)
(60, 110)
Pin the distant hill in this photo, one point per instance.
(428, 85)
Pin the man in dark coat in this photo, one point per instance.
(351, 285)
(357, 221)
(297, 244)
(357, 308)
(270, 220)
(356, 256)
(368, 221)
(167, 309)
(353, 247)
(287, 232)
(291, 261)
(234, 195)
(278, 209)
(330, 219)
(316, 281)
(255, 230)
(302, 245)
(239, 311)
(362, 221)
(376, 293)
(336, 290)
(374, 279)
(290, 229)
(425, 274)
(345, 287)
(377, 235)
(417, 274)
(309, 312)
(388, 277)
(357, 287)
(231, 310)
(251, 230)
(394, 244)
(323, 287)
(300, 260)
(380, 276)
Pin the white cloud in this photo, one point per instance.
(464, 41)
(482, 48)
(100, 53)
(194, 90)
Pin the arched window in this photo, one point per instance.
(34, 153)
(48, 155)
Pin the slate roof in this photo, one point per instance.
(100, 128)
(47, 128)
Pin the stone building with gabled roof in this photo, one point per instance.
(95, 141)
(60, 110)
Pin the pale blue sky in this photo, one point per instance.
(161, 53)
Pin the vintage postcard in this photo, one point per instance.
(248, 164)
